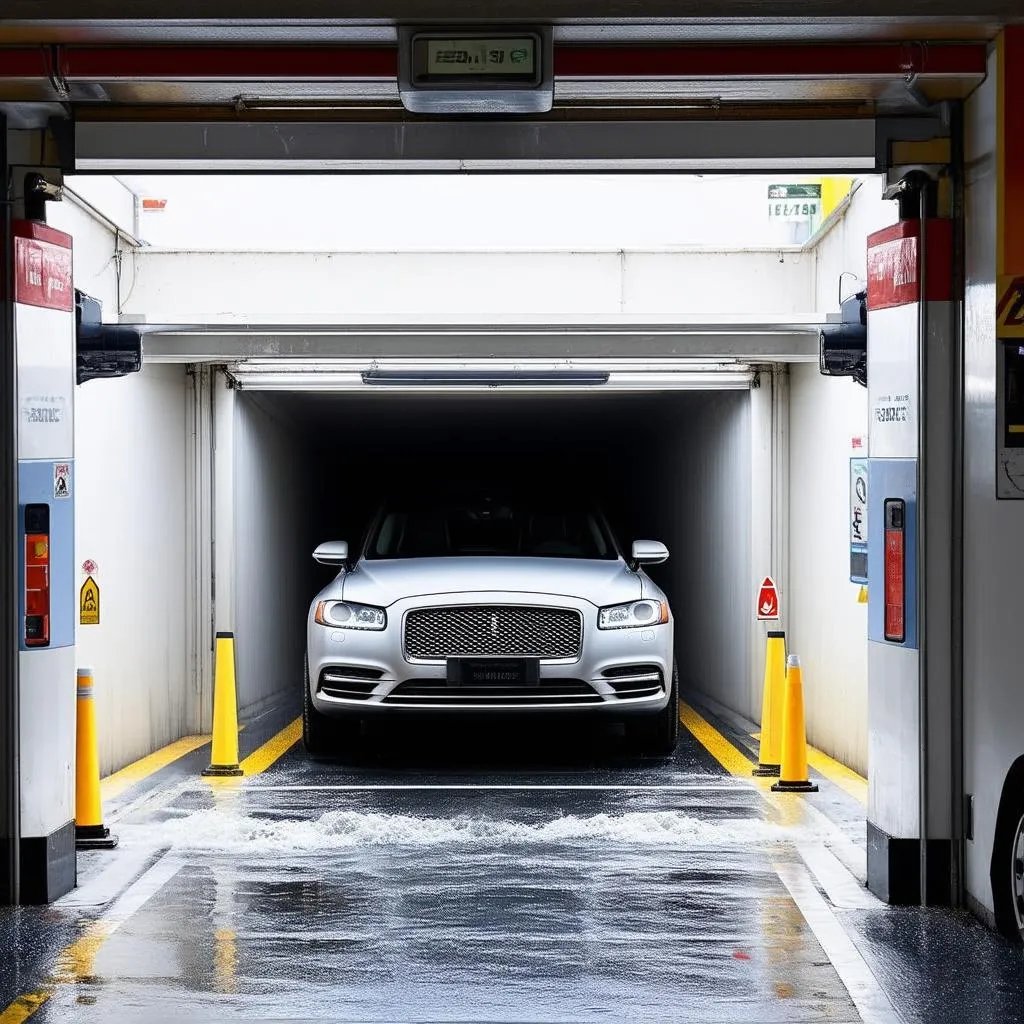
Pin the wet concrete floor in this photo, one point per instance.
(469, 875)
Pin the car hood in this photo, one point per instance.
(386, 581)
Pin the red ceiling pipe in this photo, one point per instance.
(306, 63)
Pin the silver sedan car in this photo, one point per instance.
(493, 606)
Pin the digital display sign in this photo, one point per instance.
(479, 59)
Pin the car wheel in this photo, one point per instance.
(1008, 869)
(659, 734)
(322, 735)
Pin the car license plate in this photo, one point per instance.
(494, 671)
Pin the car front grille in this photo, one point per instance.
(437, 693)
(433, 634)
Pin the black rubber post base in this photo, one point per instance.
(48, 865)
(767, 771)
(794, 787)
(894, 868)
(224, 771)
(94, 837)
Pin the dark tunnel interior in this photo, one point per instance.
(633, 455)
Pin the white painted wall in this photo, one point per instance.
(826, 625)
(710, 566)
(130, 440)
(272, 584)
(482, 287)
(130, 505)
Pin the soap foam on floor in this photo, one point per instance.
(223, 829)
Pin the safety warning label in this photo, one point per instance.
(1010, 310)
(61, 480)
(89, 603)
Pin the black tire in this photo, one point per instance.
(323, 735)
(659, 734)
(1008, 864)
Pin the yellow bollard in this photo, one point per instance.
(224, 755)
(793, 777)
(770, 755)
(90, 832)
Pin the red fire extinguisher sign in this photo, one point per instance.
(768, 600)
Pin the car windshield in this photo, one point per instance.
(487, 526)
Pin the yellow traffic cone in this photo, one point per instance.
(770, 755)
(90, 832)
(793, 777)
(224, 755)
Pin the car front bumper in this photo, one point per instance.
(619, 671)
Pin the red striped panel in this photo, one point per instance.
(42, 266)
(229, 63)
(893, 264)
(23, 63)
(297, 63)
(1011, 139)
(885, 61)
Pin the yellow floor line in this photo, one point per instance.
(114, 785)
(728, 756)
(80, 953)
(845, 778)
(835, 771)
(262, 758)
(23, 1007)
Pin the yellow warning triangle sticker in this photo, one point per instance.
(1010, 308)
(89, 603)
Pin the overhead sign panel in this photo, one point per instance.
(468, 72)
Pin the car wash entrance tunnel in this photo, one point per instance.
(511, 523)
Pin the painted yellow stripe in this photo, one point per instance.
(261, 759)
(845, 778)
(728, 756)
(114, 785)
(23, 1007)
(835, 771)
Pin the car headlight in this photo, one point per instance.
(636, 613)
(346, 615)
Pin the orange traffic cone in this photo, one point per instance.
(90, 832)
(770, 755)
(793, 777)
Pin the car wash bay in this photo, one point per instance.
(469, 877)
(486, 867)
(641, 457)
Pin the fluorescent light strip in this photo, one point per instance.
(790, 164)
(343, 382)
(261, 364)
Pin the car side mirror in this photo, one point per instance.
(332, 552)
(649, 552)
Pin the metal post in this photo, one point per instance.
(956, 611)
(922, 524)
(10, 822)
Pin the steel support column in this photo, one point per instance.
(9, 711)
